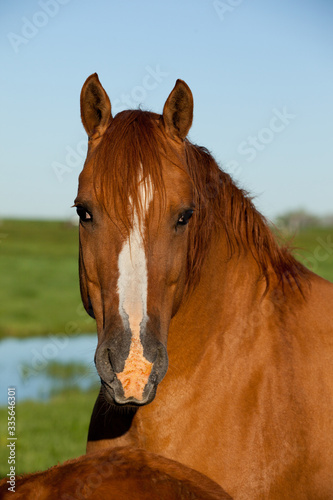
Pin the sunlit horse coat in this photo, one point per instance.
(117, 474)
(216, 340)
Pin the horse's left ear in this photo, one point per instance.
(178, 111)
(95, 107)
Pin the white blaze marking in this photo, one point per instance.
(132, 290)
(132, 281)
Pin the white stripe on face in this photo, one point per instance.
(132, 290)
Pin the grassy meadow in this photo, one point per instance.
(312, 247)
(39, 291)
(39, 294)
(48, 432)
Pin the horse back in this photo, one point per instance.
(116, 474)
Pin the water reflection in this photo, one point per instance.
(39, 366)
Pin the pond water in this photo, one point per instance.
(34, 366)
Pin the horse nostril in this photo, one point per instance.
(104, 365)
(110, 359)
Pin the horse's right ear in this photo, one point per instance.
(95, 107)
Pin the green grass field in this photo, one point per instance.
(312, 247)
(39, 291)
(48, 432)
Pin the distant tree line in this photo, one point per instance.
(301, 219)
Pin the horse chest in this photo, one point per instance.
(236, 426)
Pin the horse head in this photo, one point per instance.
(135, 201)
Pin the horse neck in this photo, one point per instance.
(229, 290)
(229, 283)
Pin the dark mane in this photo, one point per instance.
(137, 138)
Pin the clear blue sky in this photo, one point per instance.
(261, 72)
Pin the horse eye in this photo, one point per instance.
(184, 218)
(84, 215)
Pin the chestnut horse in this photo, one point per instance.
(180, 270)
(116, 474)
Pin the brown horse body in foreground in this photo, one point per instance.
(116, 474)
(245, 331)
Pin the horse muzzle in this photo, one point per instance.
(131, 373)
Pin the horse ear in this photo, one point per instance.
(178, 111)
(95, 107)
